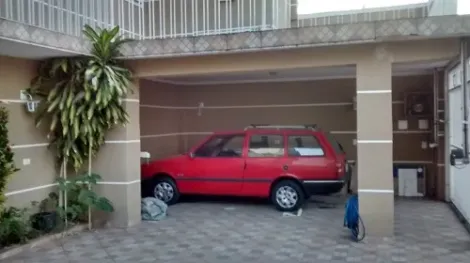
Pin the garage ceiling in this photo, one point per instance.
(298, 74)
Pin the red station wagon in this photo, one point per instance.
(287, 164)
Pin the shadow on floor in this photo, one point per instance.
(318, 201)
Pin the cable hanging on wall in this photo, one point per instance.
(199, 108)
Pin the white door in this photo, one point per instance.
(459, 175)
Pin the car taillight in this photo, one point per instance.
(339, 168)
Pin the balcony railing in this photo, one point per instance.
(70, 16)
(421, 9)
(153, 19)
(150, 19)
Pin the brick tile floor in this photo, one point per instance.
(229, 232)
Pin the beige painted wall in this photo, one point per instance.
(164, 130)
(118, 162)
(396, 52)
(27, 141)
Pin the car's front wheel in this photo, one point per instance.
(287, 196)
(165, 189)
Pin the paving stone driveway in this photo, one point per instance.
(244, 232)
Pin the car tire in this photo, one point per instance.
(287, 196)
(165, 189)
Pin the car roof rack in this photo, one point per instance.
(313, 127)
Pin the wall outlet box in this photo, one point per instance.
(26, 161)
(403, 125)
(424, 145)
(423, 124)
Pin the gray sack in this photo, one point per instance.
(153, 209)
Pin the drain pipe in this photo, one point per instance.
(436, 107)
(464, 63)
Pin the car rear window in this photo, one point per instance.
(266, 146)
(334, 143)
(304, 145)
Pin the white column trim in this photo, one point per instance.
(121, 141)
(119, 183)
(374, 91)
(22, 146)
(45, 144)
(22, 191)
(374, 141)
(131, 100)
(377, 191)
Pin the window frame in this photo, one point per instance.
(305, 135)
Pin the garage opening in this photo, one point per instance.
(177, 113)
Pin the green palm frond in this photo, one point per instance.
(81, 96)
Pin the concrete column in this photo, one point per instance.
(375, 143)
(118, 163)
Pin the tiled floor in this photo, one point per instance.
(246, 232)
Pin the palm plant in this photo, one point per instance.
(82, 98)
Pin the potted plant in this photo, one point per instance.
(46, 219)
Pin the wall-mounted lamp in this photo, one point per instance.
(31, 105)
(145, 156)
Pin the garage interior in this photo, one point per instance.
(176, 113)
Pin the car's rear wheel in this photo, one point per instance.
(165, 189)
(287, 196)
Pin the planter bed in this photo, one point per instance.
(17, 249)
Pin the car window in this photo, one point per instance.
(338, 148)
(304, 145)
(232, 147)
(222, 146)
(266, 146)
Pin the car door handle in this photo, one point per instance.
(285, 167)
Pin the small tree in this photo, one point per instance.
(7, 166)
(83, 99)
